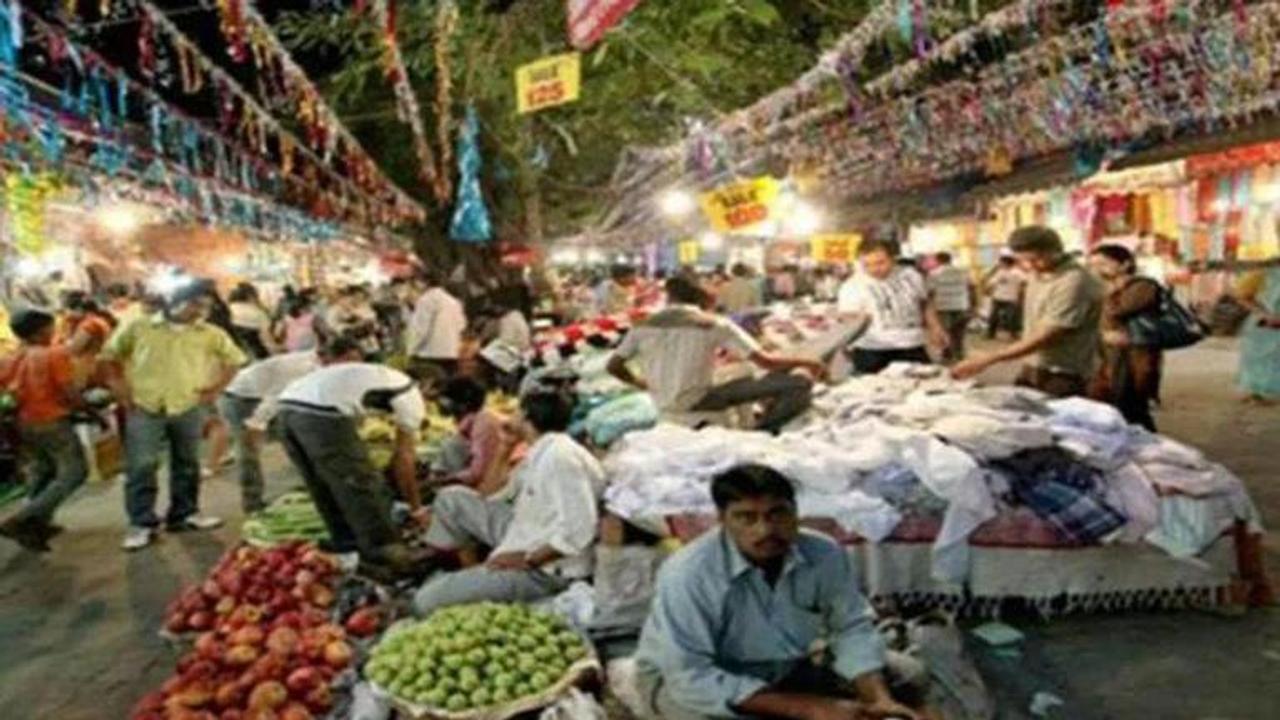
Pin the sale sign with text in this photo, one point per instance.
(835, 247)
(741, 204)
(548, 82)
(589, 20)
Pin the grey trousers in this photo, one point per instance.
(459, 517)
(55, 465)
(237, 410)
(786, 394)
(351, 496)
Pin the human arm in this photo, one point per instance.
(933, 325)
(770, 362)
(486, 446)
(404, 468)
(114, 355)
(627, 350)
(1030, 343)
(1246, 292)
(419, 326)
(231, 358)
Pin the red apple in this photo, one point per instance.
(296, 711)
(320, 699)
(240, 655)
(199, 620)
(303, 679)
(283, 641)
(269, 694)
(337, 654)
(363, 622)
(248, 635)
(228, 694)
(207, 646)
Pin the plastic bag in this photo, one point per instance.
(621, 416)
(577, 705)
(625, 579)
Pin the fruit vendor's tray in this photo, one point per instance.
(487, 661)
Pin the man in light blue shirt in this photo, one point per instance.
(740, 612)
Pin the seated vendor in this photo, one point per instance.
(542, 542)
(737, 613)
(676, 350)
(479, 430)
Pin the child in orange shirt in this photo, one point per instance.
(42, 379)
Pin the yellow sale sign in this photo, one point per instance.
(741, 204)
(548, 82)
(835, 247)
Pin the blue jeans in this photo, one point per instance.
(145, 437)
(57, 467)
(236, 411)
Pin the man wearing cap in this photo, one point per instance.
(165, 370)
(1062, 309)
(319, 414)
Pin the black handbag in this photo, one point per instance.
(1169, 326)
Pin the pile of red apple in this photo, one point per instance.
(290, 577)
(267, 651)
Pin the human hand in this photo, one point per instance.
(966, 369)
(833, 709)
(509, 561)
(1115, 338)
(940, 339)
(888, 709)
(421, 516)
(208, 395)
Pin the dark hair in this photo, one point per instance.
(750, 481)
(28, 324)
(740, 270)
(888, 247)
(943, 257)
(244, 292)
(548, 411)
(1007, 260)
(340, 345)
(1035, 239)
(1118, 253)
(684, 291)
(117, 290)
(463, 396)
(77, 301)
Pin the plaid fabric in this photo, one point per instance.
(1079, 515)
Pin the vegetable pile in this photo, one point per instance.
(474, 656)
(292, 516)
(266, 648)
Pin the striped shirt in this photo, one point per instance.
(895, 306)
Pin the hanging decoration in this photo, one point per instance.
(589, 20)
(407, 109)
(446, 27)
(231, 22)
(25, 200)
(470, 215)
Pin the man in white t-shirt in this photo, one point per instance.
(1005, 285)
(251, 402)
(319, 414)
(433, 337)
(896, 302)
(952, 297)
(676, 351)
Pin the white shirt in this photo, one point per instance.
(949, 286)
(248, 315)
(1006, 285)
(895, 306)
(513, 330)
(435, 328)
(557, 505)
(266, 379)
(676, 350)
(355, 389)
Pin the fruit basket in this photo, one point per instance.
(486, 661)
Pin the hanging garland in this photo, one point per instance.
(26, 199)
(407, 108)
(446, 27)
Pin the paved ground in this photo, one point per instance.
(78, 627)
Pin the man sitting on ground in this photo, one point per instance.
(542, 542)
(676, 350)
(738, 612)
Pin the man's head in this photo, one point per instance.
(90, 335)
(76, 304)
(878, 257)
(461, 397)
(683, 291)
(943, 258)
(32, 326)
(544, 411)
(118, 291)
(1007, 261)
(189, 303)
(340, 349)
(1111, 262)
(624, 275)
(757, 508)
(740, 270)
(1036, 247)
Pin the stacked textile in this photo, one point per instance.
(911, 442)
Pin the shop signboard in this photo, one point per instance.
(835, 247)
(548, 82)
(740, 205)
(589, 20)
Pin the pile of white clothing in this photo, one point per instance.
(872, 446)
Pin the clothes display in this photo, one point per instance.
(913, 454)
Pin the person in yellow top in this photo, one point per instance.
(166, 369)
(8, 341)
